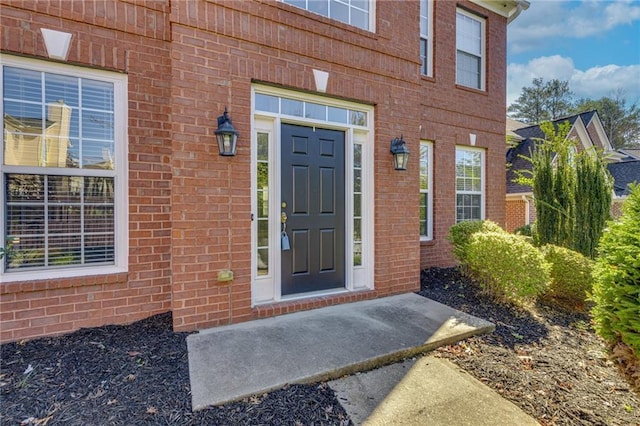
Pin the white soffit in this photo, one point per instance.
(57, 43)
(510, 9)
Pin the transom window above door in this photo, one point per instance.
(311, 110)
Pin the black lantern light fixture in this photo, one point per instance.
(226, 135)
(400, 153)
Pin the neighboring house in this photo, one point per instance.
(141, 215)
(630, 153)
(586, 128)
(624, 172)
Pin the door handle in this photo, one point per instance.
(283, 217)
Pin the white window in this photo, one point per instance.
(470, 45)
(426, 38)
(426, 193)
(63, 170)
(353, 12)
(469, 184)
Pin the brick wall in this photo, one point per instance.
(125, 37)
(515, 214)
(211, 198)
(450, 113)
(189, 209)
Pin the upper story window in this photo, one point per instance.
(62, 170)
(470, 50)
(469, 184)
(353, 12)
(426, 37)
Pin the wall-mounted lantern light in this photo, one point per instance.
(227, 135)
(400, 153)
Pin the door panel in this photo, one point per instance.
(313, 189)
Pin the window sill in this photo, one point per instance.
(472, 90)
(54, 275)
(427, 243)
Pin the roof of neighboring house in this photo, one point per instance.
(27, 123)
(528, 135)
(630, 153)
(624, 173)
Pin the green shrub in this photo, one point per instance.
(507, 266)
(524, 230)
(571, 274)
(460, 234)
(616, 289)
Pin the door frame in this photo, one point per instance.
(266, 288)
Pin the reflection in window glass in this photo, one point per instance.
(357, 204)
(358, 118)
(267, 103)
(298, 108)
(425, 196)
(71, 126)
(68, 215)
(292, 107)
(55, 121)
(317, 111)
(262, 202)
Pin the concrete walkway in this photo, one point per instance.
(232, 362)
(424, 391)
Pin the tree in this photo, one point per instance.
(621, 122)
(572, 191)
(594, 187)
(553, 183)
(558, 101)
(542, 102)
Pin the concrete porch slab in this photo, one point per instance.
(232, 362)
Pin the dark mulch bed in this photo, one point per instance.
(545, 359)
(133, 375)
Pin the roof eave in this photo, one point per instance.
(510, 9)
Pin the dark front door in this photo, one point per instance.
(313, 191)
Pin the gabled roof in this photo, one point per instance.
(532, 133)
(624, 173)
(630, 153)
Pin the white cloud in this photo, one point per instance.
(594, 82)
(548, 21)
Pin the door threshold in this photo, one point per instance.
(311, 294)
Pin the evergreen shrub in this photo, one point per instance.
(571, 274)
(616, 290)
(507, 266)
(460, 234)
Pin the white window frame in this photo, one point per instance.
(428, 160)
(347, 3)
(481, 193)
(426, 22)
(119, 174)
(461, 13)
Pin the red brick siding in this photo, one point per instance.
(190, 208)
(212, 70)
(126, 37)
(516, 214)
(450, 113)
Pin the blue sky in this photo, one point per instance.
(592, 44)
